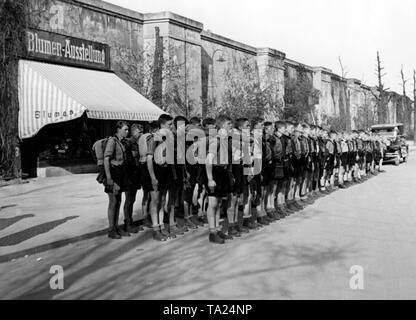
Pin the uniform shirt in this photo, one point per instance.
(192, 147)
(179, 152)
(116, 151)
(338, 148)
(351, 146)
(368, 146)
(360, 144)
(330, 147)
(312, 145)
(146, 146)
(220, 149)
(276, 148)
(287, 146)
(296, 147)
(304, 145)
(164, 147)
(266, 151)
(132, 151)
(322, 146)
(344, 146)
(239, 148)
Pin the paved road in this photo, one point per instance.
(306, 256)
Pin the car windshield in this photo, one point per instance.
(385, 133)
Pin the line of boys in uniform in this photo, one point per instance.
(231, 173)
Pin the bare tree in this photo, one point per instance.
(343, 69)
(414, 106)
(383, 97)
(403, 83)
(403, 112)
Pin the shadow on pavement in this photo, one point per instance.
(8, 206)
(187, 268)
(18, 237)
(6, 222)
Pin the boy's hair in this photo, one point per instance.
(268, 124)
(179, 118)
(152, 126)
(280, 124)
(135, 126)
(239, 122)
(221, 119)
(163, 118)
(208, 121)
(289, 123)
(120, 124)
(195, 120)
(332, 132)
(305, 126)
(255, 121)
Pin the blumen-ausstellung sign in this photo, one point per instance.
(67, 50)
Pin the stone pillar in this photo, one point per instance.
(270, 63)
(181, 45)
(322, 81)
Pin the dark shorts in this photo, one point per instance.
(309, 164)
(329, 164)
(202, 175)
(145, 180)
(266, 173)
(287, 168)
(369, 157)
(164, 176)
(194, 172)
(222, 180)
(297, 168)
(133, 177)
(378, 156)
(352, 158)
(361, 157)
(240, 180)
(177, 178)
(119, 176)
(255, 186)
(344, 159)
(277, 171)
(315, 163)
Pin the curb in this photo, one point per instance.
(5, 183)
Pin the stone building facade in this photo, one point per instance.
(163, 53)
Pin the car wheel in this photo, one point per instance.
(397, 161)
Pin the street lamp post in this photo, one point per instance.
(220, 59)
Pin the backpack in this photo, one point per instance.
(98, 149)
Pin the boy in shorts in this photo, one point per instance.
(218, 177)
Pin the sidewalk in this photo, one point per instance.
(51, 212)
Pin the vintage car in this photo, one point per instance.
(397, 149)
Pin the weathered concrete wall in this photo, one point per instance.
(219, 54)
(182, 57)
(199, 59)
(93, 20)
(271, 69)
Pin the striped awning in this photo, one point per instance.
(51, 93)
